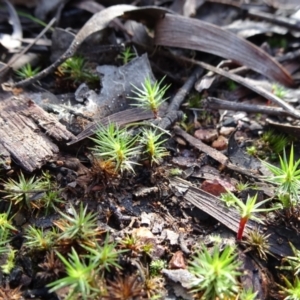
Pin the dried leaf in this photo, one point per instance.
(177, 31)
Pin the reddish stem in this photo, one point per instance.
(242, 224)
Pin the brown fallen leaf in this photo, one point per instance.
(178, 31)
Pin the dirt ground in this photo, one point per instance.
(107, 194)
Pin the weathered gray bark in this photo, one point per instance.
(25, 131)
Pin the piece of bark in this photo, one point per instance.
(24, 132)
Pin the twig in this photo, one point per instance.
(173, 114)
(213, 153)
(184, 90)
(5, 68)
(279, 20)
(248, 84)
(215, 103)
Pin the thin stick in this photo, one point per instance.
(184, 90)
(216, 103)
(243, 81)
(15, 58)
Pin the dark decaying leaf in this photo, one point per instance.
(97, 22)
(177, 31)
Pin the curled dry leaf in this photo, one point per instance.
(177, 31)
(97, 22)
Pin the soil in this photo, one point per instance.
(226, 114)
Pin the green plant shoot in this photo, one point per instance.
(248, 210)
(150, 96)
(27, 71)
(153, 145)
(216, 272)
(286, 178)
(116, 145)
(126, 55)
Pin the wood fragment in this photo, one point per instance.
(24, 132)
(213, 153)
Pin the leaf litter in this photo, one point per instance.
(160, 216)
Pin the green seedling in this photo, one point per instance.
(195, 101)
(286, 178)
(39, 240)
(242, 186)
(186, 124)
(175, 172)
(79, 226)
(228, 198)
(292, 261)
(75, 69)
(150, 96)
(279, 91)
(248, 210)
(4, 241)
(232, 86)
(21, 191)
(104, 257)
(216, 272)
(156, 266)
(292, 290)
(152, 142)
(26, 71)
(248, 294)
(5, 222)
(257, 242)
(275, 142)
(131, 243)
(206, 117)
(50, 201)
(116, 145)
(147, 248)
(252, 150)
(278, 42)
(127, 55)
(81, 277)
(10, 261)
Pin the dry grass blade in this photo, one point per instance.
(177, 31)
